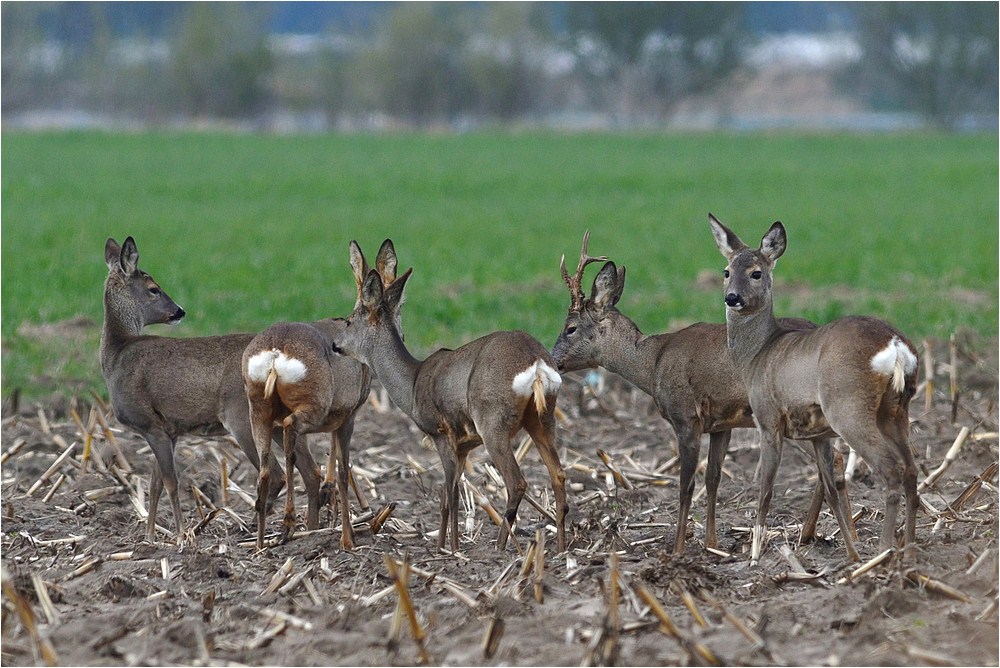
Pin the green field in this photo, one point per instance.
(246, 230)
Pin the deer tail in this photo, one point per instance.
(538, 390)
(272, 380)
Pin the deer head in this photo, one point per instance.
(132, 293)
(748, 275)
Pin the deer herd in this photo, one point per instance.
(853, 378)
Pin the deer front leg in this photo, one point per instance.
(165, 476)
(446, 453)
(718, 444)
(770, 458)
(306, 465)
(689, 443)
(340, 441)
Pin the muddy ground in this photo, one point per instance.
(115, 599)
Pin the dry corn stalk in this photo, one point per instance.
(40, 644)
(949, 459)
(404, 595)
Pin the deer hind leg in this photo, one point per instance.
(718, 445)
(856, 424)
(542, 430)
(164, 476)
(835, 497)
(291, 437)
(819, 494)
(689, 445)
(770, 458)
(897, 432)
(260, 425)
(496, 438)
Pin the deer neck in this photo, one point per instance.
(121, 325)
(397, 370)
(748, 334)
(631, 354)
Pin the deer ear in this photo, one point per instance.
(607, 288)
(394, 293)
(359, 265)
(371, 290)
(112, 254)
(129, 259)
(774, 242)
(385, 262)
(729, 244)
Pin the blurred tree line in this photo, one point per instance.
(425, 64)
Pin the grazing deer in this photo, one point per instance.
(480, 394)
(163, 387)
(688, 373)
(294, 378)
(853, 377)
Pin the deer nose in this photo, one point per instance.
(733, 299)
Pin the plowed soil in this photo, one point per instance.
(77, 538)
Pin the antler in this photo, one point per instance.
(575, 292)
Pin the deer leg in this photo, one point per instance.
(291, 437)
(718, 445)
(163, 449)
(309, 470)
(689, 444)
(326, 495)
(497, 442)
(462, 455)
(341, 440)
(824, 460)
(770, 457)
(897, 432)
(542, 430)
(260, 425)
(155, 490)
(447, 455)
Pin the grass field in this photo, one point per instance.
(246, 230)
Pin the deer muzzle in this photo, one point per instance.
(733, 300)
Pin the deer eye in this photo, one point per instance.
(155, 292)
(755, 275)
(570, 331)
(726, 273)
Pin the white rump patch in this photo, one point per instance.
(895, 360)
(288, 369)
(524, 382)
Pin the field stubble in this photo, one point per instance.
(75, 559)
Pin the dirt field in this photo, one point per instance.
(115, 599)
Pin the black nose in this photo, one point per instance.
(337, 349)
(733, 299)
(178, 314)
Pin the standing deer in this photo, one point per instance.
(688, 373)
(853, 377)
(163, 387)
(293, 377)
(482, 393)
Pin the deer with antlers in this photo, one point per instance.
(689, 375)
(482, 393)
(852, 377)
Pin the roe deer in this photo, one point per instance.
(482, 393)
(292, 376)
(163, 387)
(853, 377)
(688, 373)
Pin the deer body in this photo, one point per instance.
(853, 377)
(293, 377)
(688, 373)
(162, 387)
(481, 393)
